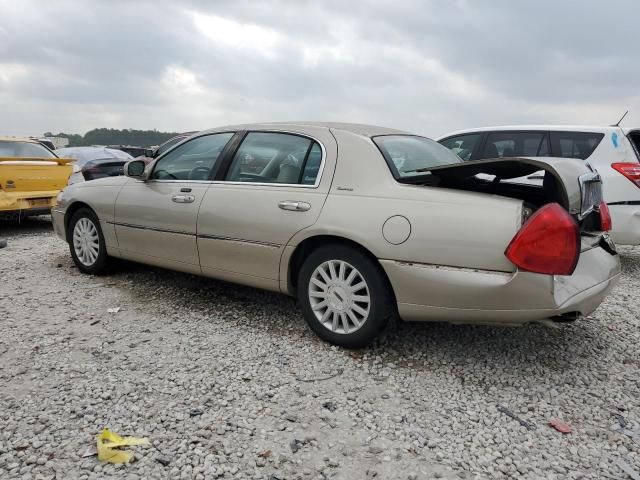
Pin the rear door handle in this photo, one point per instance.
(183, 198)
(294, 206)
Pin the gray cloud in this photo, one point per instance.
(428, 66)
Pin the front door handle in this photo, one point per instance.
(294, 206)
(183, 198)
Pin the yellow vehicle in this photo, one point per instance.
(31, 176)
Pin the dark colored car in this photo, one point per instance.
(95, 162)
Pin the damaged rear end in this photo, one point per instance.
(560, 217)
(564, 262)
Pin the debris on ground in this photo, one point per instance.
(560, 426)
(296, 445)
(108, 444)
(509, 413)
(265, 454)
(113, 310)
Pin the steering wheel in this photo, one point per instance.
(193, 175)
(158, 173)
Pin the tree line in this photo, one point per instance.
(114, 136)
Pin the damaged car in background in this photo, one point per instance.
(92, 163)
(361, 223)
(31, 176)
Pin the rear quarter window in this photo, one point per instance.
(574, 144)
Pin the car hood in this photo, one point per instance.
(571, 174)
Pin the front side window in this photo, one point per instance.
(268, 157)
(516, 144)
(24, 150)
(462, 145)
(574, 144)
(192, 160)
(168, 145)
(409, 155)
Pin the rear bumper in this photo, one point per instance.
(26, 203)
(431, 293)
(626, 224)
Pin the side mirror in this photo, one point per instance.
(135, 169)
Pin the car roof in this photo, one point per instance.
(18, 139)
(355, 128)
(557, 128)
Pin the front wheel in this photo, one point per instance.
(86, 242)
(345, 297)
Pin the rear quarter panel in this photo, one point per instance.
(447, 227)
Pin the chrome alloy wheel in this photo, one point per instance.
(339, 296)
(86, 242)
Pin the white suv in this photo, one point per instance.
(612, 151)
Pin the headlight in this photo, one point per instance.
(75, 178)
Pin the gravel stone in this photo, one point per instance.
(208, 372)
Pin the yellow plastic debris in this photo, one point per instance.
(108, 444)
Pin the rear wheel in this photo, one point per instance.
(86, 242)
(344, 296)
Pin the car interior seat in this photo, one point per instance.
(288, 173)
(491, 151)
(508, 152)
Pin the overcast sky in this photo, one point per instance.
(427, 66)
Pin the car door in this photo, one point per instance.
(274, 185)
(155, 220)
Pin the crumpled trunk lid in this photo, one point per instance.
(570, 182)
(33, 174)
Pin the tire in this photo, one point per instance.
(86, 243)
(335, 312)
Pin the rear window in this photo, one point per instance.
(409, 155)
(24, 150)
(574, 144)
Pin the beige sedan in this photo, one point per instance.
(361, 223)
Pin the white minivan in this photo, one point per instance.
(613, 151)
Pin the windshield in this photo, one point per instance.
(24, 150)
(409, 155)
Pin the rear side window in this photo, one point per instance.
(462, 145)
(516, 144)
(281, 158)
(574, 144)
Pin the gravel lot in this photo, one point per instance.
(227, 382)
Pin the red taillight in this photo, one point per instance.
(629, 170)
(548, 242)
(605, 217)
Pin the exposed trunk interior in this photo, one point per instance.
(510, 178)
(494, 178)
